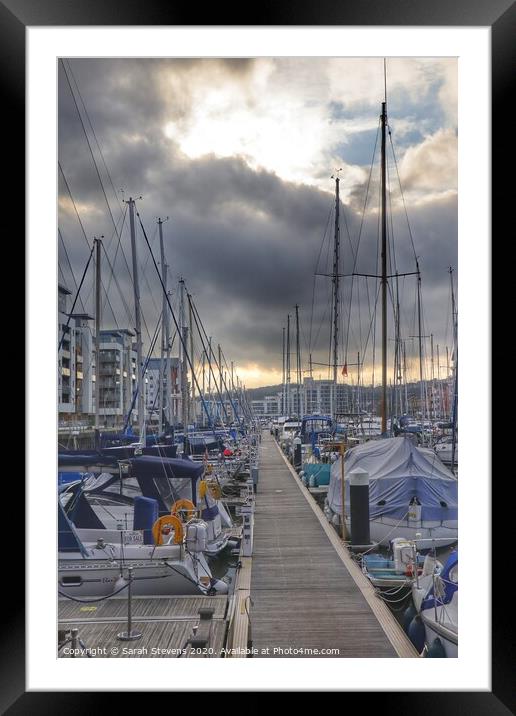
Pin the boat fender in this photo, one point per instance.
(218, 586)
(196, 536)
(416, 633)
(409, 572)
(409, 614)
(436, 650)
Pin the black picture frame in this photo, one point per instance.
(500, 16)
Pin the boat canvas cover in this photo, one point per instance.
(166, 479)
(67, 538)
(200, 443)
(87, 458)
(171, 467)
(126, 452)
(398, 471)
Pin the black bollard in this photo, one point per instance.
(359, 508)
(297, 454)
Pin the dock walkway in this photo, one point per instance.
(166, 625)
(303, 594)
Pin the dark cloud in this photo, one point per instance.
(245, 240)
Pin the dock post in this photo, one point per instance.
(74, 637)
(359, 508)
(247, 530)
(255, 474)
(201, 638)
(297, 454)
(129, 635)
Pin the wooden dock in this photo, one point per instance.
(165, 623)
(306, 591)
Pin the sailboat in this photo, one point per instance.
(97, 566)
(411, 493)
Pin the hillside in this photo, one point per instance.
(260, 393)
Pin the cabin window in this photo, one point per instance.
(73, 581)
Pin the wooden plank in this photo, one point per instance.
(238, 634)
(145, 608)
(166, 624)
(393, 630)
(303, 593)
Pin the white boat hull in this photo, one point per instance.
(448, 636)
(156, 571)
(382, 531)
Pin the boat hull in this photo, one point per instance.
(383, 530)
(434, 630)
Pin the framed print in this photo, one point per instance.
(259, 151)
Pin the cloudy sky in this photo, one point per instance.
(239, 155)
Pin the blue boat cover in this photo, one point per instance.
(153, 474)
(398, 472)
(165, 467)
(125, 452)
(67, 538)
(72, 458)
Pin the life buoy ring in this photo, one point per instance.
(215, 490)
(180, 506)
(212, 487)
(163, 525)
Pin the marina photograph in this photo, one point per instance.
(257, 358)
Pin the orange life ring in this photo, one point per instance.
(183, 505)
(163, 525)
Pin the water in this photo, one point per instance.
(224, 566)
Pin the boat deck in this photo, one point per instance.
(166, 623)
(306, 591)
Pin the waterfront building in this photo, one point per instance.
(117, 377)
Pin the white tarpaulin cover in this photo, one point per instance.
(398, 472)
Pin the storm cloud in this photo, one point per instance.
(238, 154)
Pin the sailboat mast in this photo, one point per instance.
(298, 365)
(221, 380)
(384, 273)
(287, 358)
(98, 320)
(182, 354)
(455, 367)
(138, 325)
(163, 367)
(336, 286)
(422, 389)
(283, 401)
(192, 358)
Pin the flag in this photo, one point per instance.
(345, 369)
